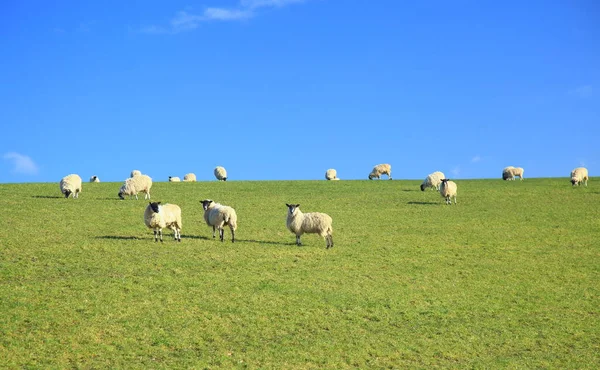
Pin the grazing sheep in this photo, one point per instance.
(158, 216)
(218, 216)
(94, 179)
(136, 184)
(433, 181)
(220, 173)
(135, 173)
(174, 179)
(579, 175)
(310, 223)
(190, 177)
(510, 172)
(71, 184)
(331, 174)
(448, 190)
(381, 169)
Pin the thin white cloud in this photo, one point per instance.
(254, 4)
(476, 159)
(22, 163)
(582, 91)
(222, 14)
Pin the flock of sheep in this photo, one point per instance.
(158, 216)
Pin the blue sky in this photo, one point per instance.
(282, 89)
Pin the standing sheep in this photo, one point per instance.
(510, 172)
(174, 179)
(134, 185)
(381, 169)
(311, 223)
(135, 173)
(331, 174)
(218, 216)
(220, 173)
(190, 177)
(433, 181)
(579, 175)
(158, 216)
(94, 179)
(448, 190)
(71, 184)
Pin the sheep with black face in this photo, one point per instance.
(218, 215)
(71, 184)
(311, 223)
(158, 216)
(448, 190)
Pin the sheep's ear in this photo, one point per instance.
(158, 202)
(288, 205)
(297, 205)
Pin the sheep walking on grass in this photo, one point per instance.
(448, 190)
(220, 173)
(190, 177)
(158, 216)
(510, 172)
(331, 174)
(71, 184)
(135, 173)
(311, 223)
(433, 181)
(94, 179)
(381, 169)
(174, 179)
(135, 185)
(218, 216)
(579, 176)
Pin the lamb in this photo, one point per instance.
(381, 169)
(579, 175)
(135, 173)
(218, 215)
(190, 177)
(510, 172)
(331, 174)
(94, 179)
(433, 181)
(174, 179)
(448, 190)
(311, 223)
(220, 173)
(71, 184)
(158, 216)
(136, 184)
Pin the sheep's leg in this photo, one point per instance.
(221, 233)
(455, 199)
(160, 233)
(298, 242)
(232, 235)
(136, 198)
(155, 235)
(214, 231)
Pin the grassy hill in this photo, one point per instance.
(507, 278)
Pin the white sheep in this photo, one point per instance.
(158, 216)
(311, 223)
(135, 173)
(174, 179)
(134, 185)
(331, 174)
(220, 173)
(190, 177)
(448, 190)
(433, 181)
(381, 169)
(71, 184)
(94, 179)
(579, 175)
(510, 172)
(218, 216)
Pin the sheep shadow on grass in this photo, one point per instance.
(118, 237)
(423, 203)
(260, 241)
(47, 196)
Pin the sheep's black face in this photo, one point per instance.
(224, 178)
(422, 187)
(206, 203)
(292, 208)
(67, 193)
(573, 181)
(121, 195)
(154, 206)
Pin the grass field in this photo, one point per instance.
(508, 278)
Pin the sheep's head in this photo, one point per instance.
(444, 180)
(422, 187)
(206, 203)
(154, 206)
(292, 208)
(67, 193)
(573, 180)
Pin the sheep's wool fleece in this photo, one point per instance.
(448, 189)
(217, 213)
(168, 214)
(189, 177)
(220, 173)
(313, 222)
(330, 174)
(70, 182)
(136, 184)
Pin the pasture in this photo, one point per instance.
(508, 278)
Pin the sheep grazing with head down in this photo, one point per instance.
(579, 176)
(94, 179)
(448, 190)
(190, 177)
(174, 179)
(220, 173)
(381, 169)
(218, 216)
(510, 172)
(70, 184)
(157, 216)
(331, 174)
(311, 223)
(433, 181)
(135, 185)
(135, 173)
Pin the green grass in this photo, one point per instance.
(508, 278)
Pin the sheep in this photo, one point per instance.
(134, 185)
(311, 223)
(94, 179)
(433, 181)
(579, 175)
(448, 190)
(217, 216)
(71, 184)
(220, 173)
(174, 179)
(381, 169)
(190, 177)
(135, 173)
(331, 174)
(510, 172)
(158, 216)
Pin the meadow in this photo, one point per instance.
(508, 278)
